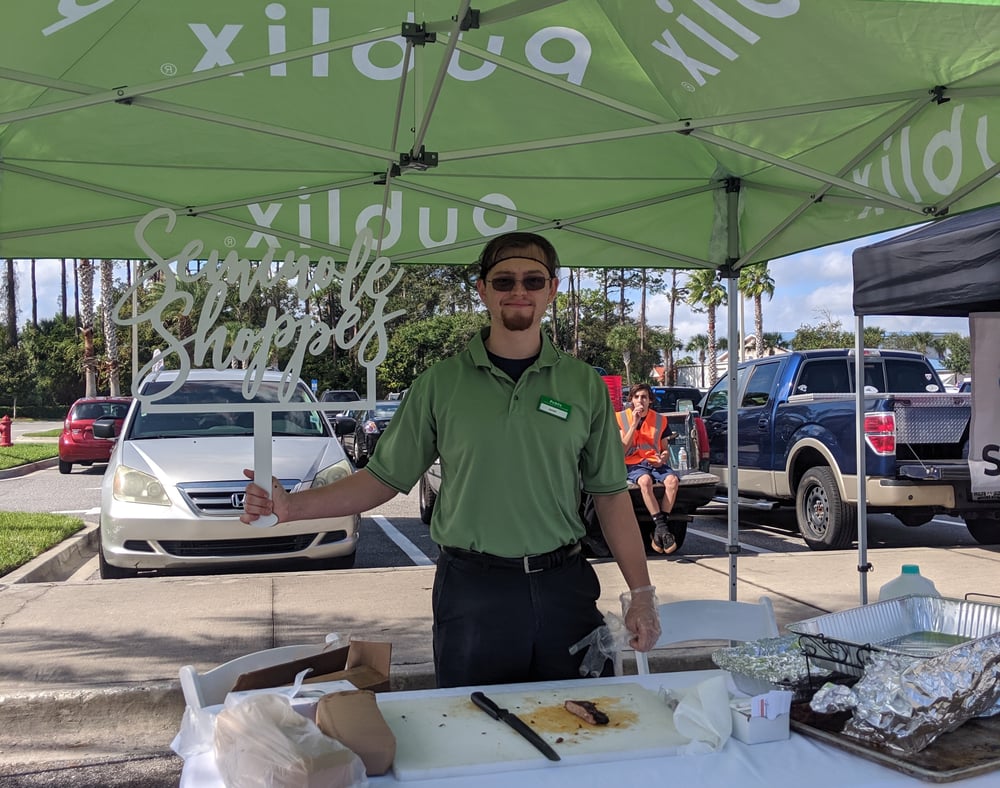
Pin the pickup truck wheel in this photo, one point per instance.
(427, 500)
(825, 521)
(984, 530)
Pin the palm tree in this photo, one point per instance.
(62, 300)
(110, 329)
(772, 342)
(921, 340)
(85, 269)
(34, 295)
(706, 294)
(699, 344)
(756, 282)
(670, 375)
(9, 288)
(939, 345)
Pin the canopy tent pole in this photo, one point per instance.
(732, 433)
(859, 398)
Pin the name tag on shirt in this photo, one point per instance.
(554, 407)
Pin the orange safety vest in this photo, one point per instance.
(646, 440)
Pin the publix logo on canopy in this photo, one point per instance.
(719, 29)
(272, 30)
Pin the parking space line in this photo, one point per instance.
(414, 553)
(714, 538)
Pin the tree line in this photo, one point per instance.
(46, 364)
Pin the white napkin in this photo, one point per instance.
(701, 716)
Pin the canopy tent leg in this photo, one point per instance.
(732, 329)
(859, 398)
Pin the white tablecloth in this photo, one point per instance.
(797, 761)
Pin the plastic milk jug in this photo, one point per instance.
(910, 581)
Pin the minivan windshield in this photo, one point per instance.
(217, 419)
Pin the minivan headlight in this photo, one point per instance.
(332, 473)
(134, 486)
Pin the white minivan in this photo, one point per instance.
(173, 491)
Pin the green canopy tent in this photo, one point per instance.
(648, 133)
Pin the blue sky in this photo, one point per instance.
(807, 285)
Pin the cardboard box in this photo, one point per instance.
(364, 663)
(755, 730)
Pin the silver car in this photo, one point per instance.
(173, 491)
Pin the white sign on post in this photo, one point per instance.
(252, 347)
(984, 442)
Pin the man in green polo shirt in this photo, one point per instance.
(518, 425)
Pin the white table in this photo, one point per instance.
(798, 760)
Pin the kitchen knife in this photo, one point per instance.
(516, 723)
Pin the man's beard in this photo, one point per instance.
(516, 321)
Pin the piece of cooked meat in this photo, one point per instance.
(587, 712)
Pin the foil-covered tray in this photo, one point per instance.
(758, 666)
(913, 626)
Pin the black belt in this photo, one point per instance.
(529, 564)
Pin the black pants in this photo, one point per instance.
(499, 625)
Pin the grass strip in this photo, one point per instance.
(25, 535)
(24, 453)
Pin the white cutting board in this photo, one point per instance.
(449, 736)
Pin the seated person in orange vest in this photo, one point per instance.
(644, 435)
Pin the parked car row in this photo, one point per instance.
(174, 487)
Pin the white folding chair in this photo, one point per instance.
(211, 687)
(709, 619)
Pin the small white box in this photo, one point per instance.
(751, 729)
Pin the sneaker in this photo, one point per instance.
(663, 541)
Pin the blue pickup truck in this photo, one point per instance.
(797, 437)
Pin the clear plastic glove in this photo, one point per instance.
(642, 619)
(602, 644)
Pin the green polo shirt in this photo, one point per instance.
(511, 472)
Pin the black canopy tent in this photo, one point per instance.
(949, 268)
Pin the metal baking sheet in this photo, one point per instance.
(967, 751)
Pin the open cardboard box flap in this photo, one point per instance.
(364, 663)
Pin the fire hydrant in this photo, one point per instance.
(5, 431)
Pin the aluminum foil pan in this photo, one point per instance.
(918, 627)
(767, 664)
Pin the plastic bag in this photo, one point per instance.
(196, 734)
(262, 742)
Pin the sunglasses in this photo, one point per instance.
(504, 284)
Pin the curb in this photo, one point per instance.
(63, 724)
(31, 467)
(58, 562)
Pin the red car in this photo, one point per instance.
(77, 443)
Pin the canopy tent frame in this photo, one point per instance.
(643, 161)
